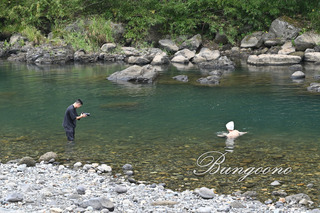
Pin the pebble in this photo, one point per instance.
(46, 188)
(275, 183)
(206, 193)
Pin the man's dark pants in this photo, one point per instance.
(69, 133)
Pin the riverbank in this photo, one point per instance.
(56, 188)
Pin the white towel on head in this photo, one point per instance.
(230, 125)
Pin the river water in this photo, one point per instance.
(163, 128)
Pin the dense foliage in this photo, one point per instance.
(235, 18)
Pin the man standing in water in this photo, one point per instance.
(70, 119)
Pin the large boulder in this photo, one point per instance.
(312, 57)
(168, 45)
(306, 40)
(283, 29)
(255, 40)
(273, 59)
(160, 58)
(135, 73)
(130, 51)
(183, 56)
(192, 43)
(206, 54)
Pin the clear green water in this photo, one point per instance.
(161, 129)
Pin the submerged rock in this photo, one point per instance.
(209, 80)
(298, 75)
(314, 87)
(182, 78)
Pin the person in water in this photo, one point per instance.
(70, 119)
(233, 133)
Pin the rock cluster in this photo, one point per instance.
(49, 188)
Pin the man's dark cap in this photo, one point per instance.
(79, 101)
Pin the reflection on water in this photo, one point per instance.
(161, 129)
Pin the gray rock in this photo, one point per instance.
(16, 38)
(120, 189)
(206, 209)
(168, 45)
(287, 48)
(206, 193)
(237, 205)
(21, 167)
(106, 203)
(48, 156)
(255, 40)
(224, 208)
(312, 57)
(104, 168)
(250, 194)
(295, 67)
(206, 54)
(108, 47)
(314, 87)
(140, 60)
(83, 57)
(129, 172)
(221, 39)
(275, 183)
(297, 198)
(274, 42)
(314, 211)
(209, 80)
(182, 78)
(127, 167)
(267, 202)
(160, 59)
(223, 63)
(81, 190)
(131, 180)
(192, 43)
(130, 51)
(298, 75)
(188, 54)
(279, 204)
(270, 59)
(283, 29)
(138, 74)
(29, 161)
(306, 40)
(94, 203)
(77, 165)
(280, 193)
(180, 59)
(14, 197)
(47, 54)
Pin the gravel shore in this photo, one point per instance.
(93, 188)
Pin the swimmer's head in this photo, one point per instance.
(230, 125)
